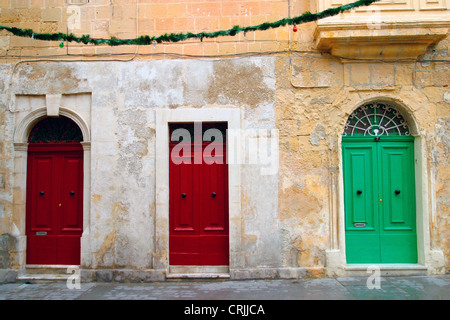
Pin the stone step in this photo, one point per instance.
(198, 272)
(387, 269)
(39, 273)
(44, 269)
(41, 277)
(197, 276)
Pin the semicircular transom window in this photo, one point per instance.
(376, 119)
(60, 129)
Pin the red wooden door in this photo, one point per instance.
(199, 204)
(54, 203)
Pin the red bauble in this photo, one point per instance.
(294, 29)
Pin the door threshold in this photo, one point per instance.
(45, 272)
(51, 266)
(198, 272)
(42, 277)
(400, 269)
(198, 276)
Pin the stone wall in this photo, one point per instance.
(289, 223)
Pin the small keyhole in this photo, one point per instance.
(41, 193)
(213, 194)
(183, 195)
(72, 193)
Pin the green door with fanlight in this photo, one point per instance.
(379, 194)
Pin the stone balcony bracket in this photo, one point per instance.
(385, 42)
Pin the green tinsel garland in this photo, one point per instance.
(176, 37)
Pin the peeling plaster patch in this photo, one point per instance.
(118, 214)
(152, 84)
(51, 78)
(442, 131)
(134, 134)
(317, 135)
(7, 250)
(301, 203)
(287, 183)
(441, 136)
(196, 79)
(260, 238)
(96, 198)
(106, 246)
(447, 96)
(293, 242)
(234, 82)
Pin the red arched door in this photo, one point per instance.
(54, 222)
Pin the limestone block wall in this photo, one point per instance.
(128, 19)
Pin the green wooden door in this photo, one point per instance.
(379, 199)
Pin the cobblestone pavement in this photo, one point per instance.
(355, 288)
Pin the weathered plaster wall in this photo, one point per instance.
(312, 107)
(124, 97)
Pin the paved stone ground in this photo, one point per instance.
(355, 288)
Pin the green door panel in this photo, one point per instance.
(361, 222)
(362, 247)
(359, 187)
(379, 200)
(398, 225)
(397, 186)
(398, 248)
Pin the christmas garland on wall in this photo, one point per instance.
(176, 37)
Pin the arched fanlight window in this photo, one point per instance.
(376, 119)
(60, 129)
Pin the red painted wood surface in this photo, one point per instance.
(198, 216)
(54, 222)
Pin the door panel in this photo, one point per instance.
(361, 186)
(215, 195)
(54, 222)
(198, 213)
(41, 249)
(398, 233)
(72, 191)
(362, 247)
(42, 193)
(214, 210)
(184, 249)
(362, 238)
(182, 198)
(398, 248)
(214, 250)
(397, 187)
(379, 199)
(68, 249)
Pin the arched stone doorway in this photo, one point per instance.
(54, 202)
(25, 124)
(379, 186)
